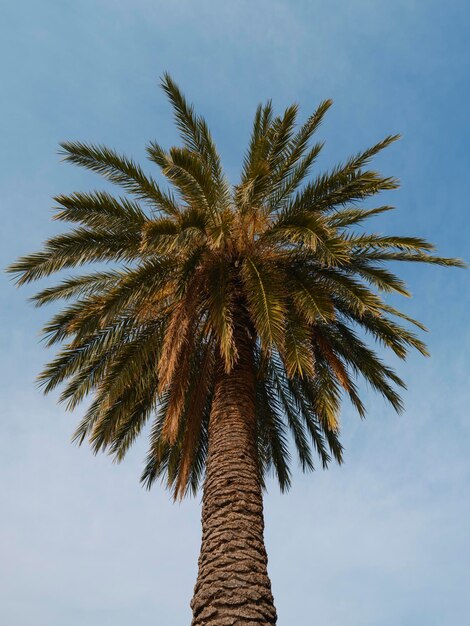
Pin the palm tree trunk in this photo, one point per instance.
(233, 587)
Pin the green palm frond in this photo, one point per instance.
(121, 171)
(100, 210)
(273, 432)
(194, 131)
(77, 286)
(353, 216)
(265, 302)
(80, 246)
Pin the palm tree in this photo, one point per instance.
(233, 317)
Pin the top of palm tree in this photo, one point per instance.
(274, 254)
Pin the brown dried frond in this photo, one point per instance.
(173, 343)
(176, 402)
(159, 301)
(195, 412)
(334, 362)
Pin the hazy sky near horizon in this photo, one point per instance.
(381, 541)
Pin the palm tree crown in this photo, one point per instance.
(273, 258)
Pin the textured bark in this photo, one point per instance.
(233, 586)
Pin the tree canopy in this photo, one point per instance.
(279, 254)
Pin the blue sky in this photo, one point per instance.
(381, 541)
